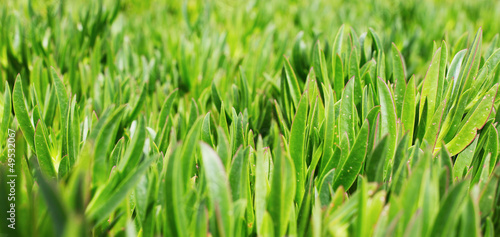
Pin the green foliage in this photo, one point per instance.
(220, 118)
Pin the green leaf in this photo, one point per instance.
(63, 101)
(408, 110)
(261, 186)
(433, 128)
(238, 174)
(449, 210)
(188, 151)
(104, 145)
(492, 147)
(101, 206)
(292, 82)
(165, 110)
(319, 65)
(388, 124)
(267, 226)
(136, 109)
(338, 80)
(455, 65)
(218, 189)
(375, 162)
(55, 205)
(464, 160)
(475, 122)
(175, 204)
(205, 130)
(297, 145)
(354, 73)
(347, 116)
(430, 85)
(7, 110)
(488, 193)
(216, 97)
(350, 169)
(399, 75)
(73, 133)
(452, 122)
(133, 153)
(237, 134)
(280, 201)
(43, 152)
(493, 61)
(330, 131)
(22, 113)
(470, 66)
(325, 194)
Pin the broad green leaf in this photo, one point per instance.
(261, 186)
(223, 149)
(218, 189)
(73, 132)
(267, 226)
(282, 193)
(408, 110)
(22, 113)
(237, 133)
(7, 110)
(470, 66)
(452, 122)
(325, 188)
(449, 210)
(464, 160)
(338, 77)
(103, 146)
(350, 169)
(99, 208)
(42, 151)
(388, 124)
(319, 65)
(175, 204)
(433, 128)
(475, 122)
(455, 66)
(238, 174)
(361, 229)
(291, 82)
(489, 193)
(133, 153)
(330, 130)
(297, 145)
(165, 110)
(493, 61)
(430, 85)
(188, 152)
(492, 147)
(441, 87)
(206, 135)
(55, 205)
(375, 162)
(216, 97)
(399, 75)
(63, 101)
(347, 116)
(490, 229)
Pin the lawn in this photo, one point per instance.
(249, 118)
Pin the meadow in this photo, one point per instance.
(249, 118)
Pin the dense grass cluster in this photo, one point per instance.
(250, 118)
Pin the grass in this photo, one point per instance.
(222, 118)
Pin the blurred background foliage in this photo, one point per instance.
(249, 30)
